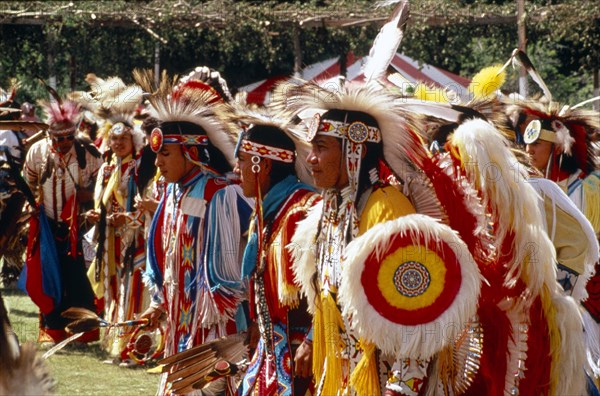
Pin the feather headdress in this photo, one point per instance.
(305, 99)
(574, 128)
(240, 116)
(62, 117)
(173, 103)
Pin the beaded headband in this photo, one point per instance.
(61, 132)
(357, 132)
(158, 139)
(264, 151)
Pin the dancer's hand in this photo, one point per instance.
(92, 216)
(303, 359)
(153, 314)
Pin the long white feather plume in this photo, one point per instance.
(386, 43)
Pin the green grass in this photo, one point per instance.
(78, 371)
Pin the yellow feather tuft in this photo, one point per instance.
(365, 377)
(432, 94)
(487, 82)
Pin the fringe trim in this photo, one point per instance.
(559, 199)
(567, 345)
(591, 200)
(303, 250)
(365, 377)
(328, 346)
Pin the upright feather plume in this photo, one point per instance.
(487, 82)
(520, 58)
(386, 43)
(51, 90)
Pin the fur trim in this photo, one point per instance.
(404, 340)
(303, 250)
(197, 106)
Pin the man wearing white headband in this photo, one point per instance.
(270, 161)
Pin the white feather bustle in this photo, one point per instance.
(504, 186)
(568, 373)
(403, 340)
(303, 250)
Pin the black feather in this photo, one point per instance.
(51, 90)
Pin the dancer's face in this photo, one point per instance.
(326, 163)
(249, 179)
(121, 145)
(172, 163)
(539, 153)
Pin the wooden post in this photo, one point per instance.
(72, 72)
(522, 45)
(596, 78)
(157, 62)
(297, 51)
(51, 38)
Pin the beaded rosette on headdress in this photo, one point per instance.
(158, 139)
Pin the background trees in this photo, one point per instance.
(249, 40)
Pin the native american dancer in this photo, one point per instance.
(116, 272)
(270, 162)
(411, 290)
(60, 170)
(195, 242)
(559, 141)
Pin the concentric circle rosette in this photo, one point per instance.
(410, 285)
(156, 140)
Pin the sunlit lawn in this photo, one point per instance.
(78, 371)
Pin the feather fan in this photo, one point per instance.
(190, 369)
